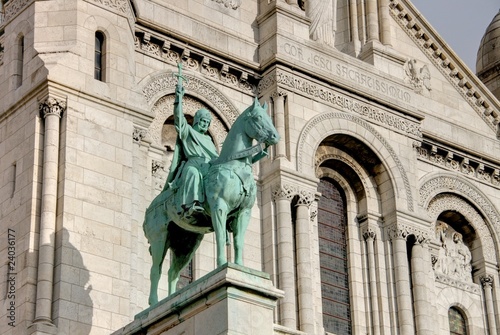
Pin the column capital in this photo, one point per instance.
(279, 93)
(487, 281)
(284, 192)
(52, 106)
(369, 234)
(306, 198)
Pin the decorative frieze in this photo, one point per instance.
(457, 76)
(164, 50)
(120, 6)
(344, 102)
(402, 231)
(454, 161)
(13, 7)
(52, 106)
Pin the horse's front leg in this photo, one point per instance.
(219, 210)
(239, 227)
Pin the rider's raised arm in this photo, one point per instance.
(180, 121)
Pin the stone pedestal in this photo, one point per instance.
(230, 300)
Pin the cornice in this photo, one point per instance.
(212, 67)
(452, 68)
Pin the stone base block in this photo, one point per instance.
(230, 300)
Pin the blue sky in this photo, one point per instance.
(461, 23)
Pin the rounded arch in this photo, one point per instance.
(443, 182)
(450, 202)
(369, 200)
(158, 85)
(341, 123)
(98, 23)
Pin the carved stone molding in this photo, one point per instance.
(337, 99)
(165, 83)
(354, 167)
(159, 174)
(454, 161)
(278, 93)
(442, 184)
(161, 48)
(457, 76)
(487, 281)
(464, 286)
(311, 124)
(450, 202)
(13, 7)
(120, 6)
(52, 106)
(313, 211)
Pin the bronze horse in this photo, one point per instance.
(230, 191)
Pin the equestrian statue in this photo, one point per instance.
(205, 192)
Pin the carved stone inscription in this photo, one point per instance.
(344, 71)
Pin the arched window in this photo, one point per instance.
(99, 56)
(332, 225)
(457, 322)
(19, 62)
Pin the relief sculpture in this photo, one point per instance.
(454, 257)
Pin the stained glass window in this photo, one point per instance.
(457, 322)
(333, 260)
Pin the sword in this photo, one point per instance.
(180, 77)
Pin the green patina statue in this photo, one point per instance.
(205, 192)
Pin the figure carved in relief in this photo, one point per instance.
(454, 257)
(418, 78)
(323, 20)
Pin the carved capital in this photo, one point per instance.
(284, 192)
(398, 232)
(369, 234)
(279, 93)
(139, 134)
(487, 281)
(306, 198)
(52, 106)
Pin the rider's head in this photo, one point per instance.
(202, 120)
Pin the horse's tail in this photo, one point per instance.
(155, 219)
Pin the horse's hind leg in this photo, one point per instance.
(182, 251)
(158, 250)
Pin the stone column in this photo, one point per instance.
(283, 195)
(304, 262)
(421, 265)
(487, 282)
(372, 18)
(354, 25)
(51, 110)
(279, 119)
(398, 237)
(369, 235)
(385, 27)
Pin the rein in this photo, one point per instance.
(241, 154)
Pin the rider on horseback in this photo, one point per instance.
(194, 150)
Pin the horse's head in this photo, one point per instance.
(259, 126)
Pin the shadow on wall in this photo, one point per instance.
(73, 308)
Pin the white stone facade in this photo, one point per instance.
(375, 102)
